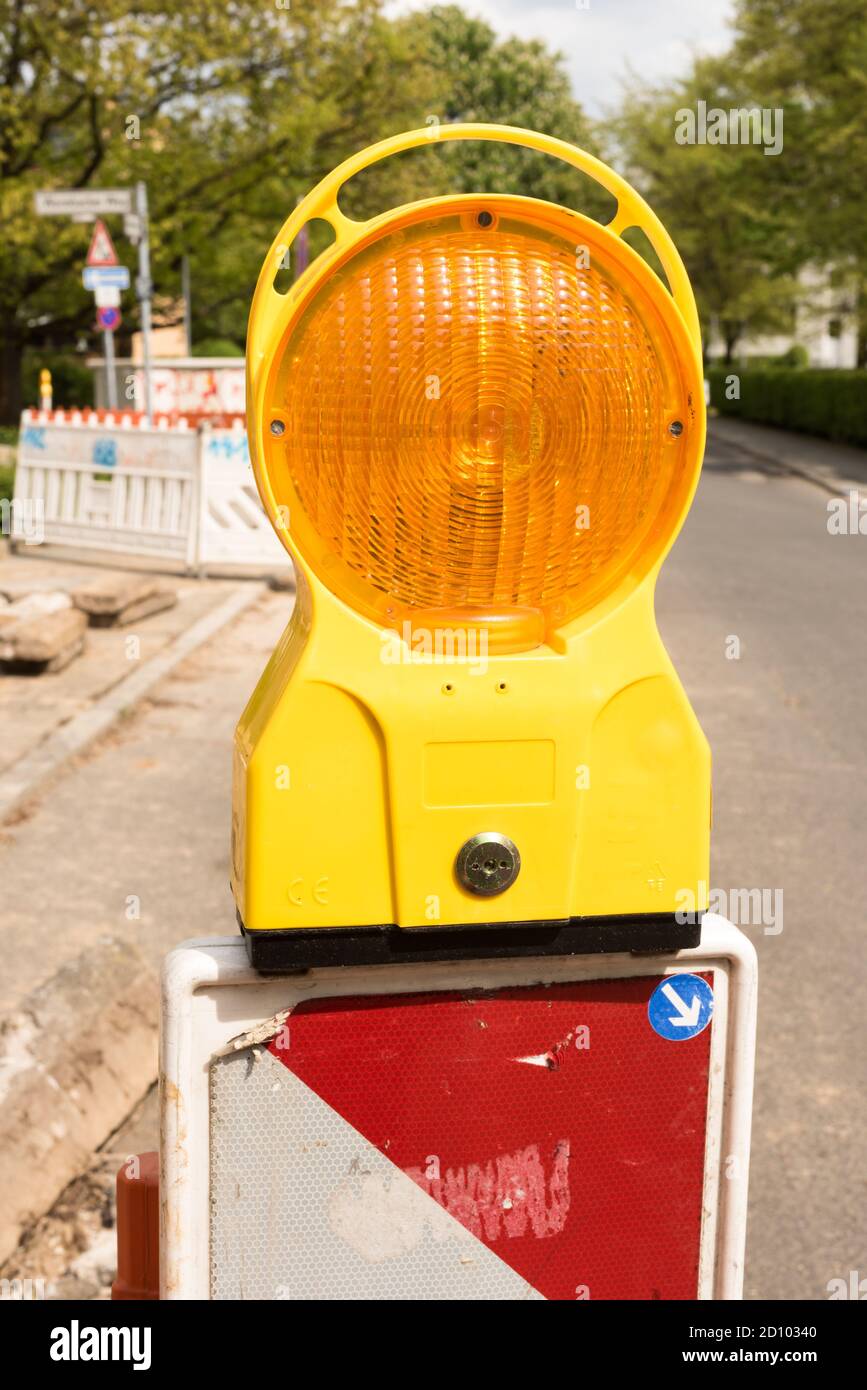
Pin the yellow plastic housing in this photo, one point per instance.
(477, 423)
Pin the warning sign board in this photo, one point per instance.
(553, 1145)
(102, 252)
(520, 1130)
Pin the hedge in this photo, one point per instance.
(826, 402)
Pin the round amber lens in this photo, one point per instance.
(478, 419)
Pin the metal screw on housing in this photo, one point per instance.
(488, 863)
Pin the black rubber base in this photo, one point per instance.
(301, 949)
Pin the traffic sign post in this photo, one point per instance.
(106, 278)
(477, 1047)
(143, 290)
(108, 350)
(85, 205)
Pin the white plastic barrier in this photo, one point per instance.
(233, 527)
(106, 486)
(167, 491)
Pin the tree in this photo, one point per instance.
(737, 241)
(480, 78)
(227, 111)
(809, 57)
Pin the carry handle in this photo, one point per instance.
(322, 201)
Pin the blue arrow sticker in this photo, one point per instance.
(680, 1007)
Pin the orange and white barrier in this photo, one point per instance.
(178, 488)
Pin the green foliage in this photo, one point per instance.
(472, 76)
(7, 481)
(71, 378)
(795, 356)
(509, 82)
(227, 112)
(809, 57)
(829, 403)
(230, 113)
(739, 248)
(217, 347)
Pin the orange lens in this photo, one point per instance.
(482, 420)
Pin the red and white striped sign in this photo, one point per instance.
(537, 1139)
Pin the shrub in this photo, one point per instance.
(71, 379)
(7, 479)
(823, 401)
(217, 347)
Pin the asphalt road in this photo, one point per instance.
(786, 723)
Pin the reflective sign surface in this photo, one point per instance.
(540, 1142)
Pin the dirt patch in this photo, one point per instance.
(70, 1252)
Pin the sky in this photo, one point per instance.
(602, 41)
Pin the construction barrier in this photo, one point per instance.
(177, 489)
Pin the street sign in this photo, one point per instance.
(101, 252)
(82, 202)
(107, 296)
(472, 1131)
(116, 276)
(108, 318)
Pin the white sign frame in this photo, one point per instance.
(210, 995)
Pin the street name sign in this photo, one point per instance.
(82, 202)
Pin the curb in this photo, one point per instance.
(76, 1055)
(798, 470)
(835, 488)
(19, 782)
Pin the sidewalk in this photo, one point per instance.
(838, 468)
(33, 707)
(116, 858)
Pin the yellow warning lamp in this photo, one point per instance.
(476, 423)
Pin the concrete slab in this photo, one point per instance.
(31, 711)
(45, 640)
(122, 599)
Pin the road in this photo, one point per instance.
(147, 812)
(786, 722)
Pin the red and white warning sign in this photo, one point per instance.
(507, 1130)
(102, 250)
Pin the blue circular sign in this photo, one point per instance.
(680, 1007)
